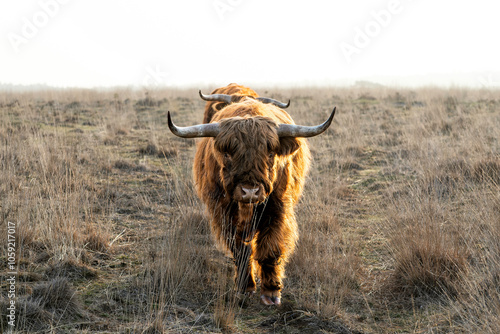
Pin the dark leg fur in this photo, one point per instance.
(242, 255)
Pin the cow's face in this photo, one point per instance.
(250, 149)
(249, 153)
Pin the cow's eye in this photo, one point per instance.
(227, 156)
(271, 155)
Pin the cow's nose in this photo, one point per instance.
(250, 193)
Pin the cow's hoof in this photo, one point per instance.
(266, 300)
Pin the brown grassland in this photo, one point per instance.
(399, 221)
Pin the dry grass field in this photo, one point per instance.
(399, 222)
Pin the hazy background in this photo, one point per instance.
(213, 42)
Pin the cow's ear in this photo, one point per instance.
(288, 145)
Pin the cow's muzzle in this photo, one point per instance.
(249, 193)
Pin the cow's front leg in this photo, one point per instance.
(227, 232)
(272, 270)
(242, 255)
(273, 248)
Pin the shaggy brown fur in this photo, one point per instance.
(236, 90)
(260, 235)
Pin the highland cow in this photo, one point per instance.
(249, 170)
(232, 93)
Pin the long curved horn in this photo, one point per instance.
(216, 97)
(200, 130)
(275, 102)
(291, 130)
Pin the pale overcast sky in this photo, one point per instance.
(90, 43)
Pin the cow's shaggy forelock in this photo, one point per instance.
(246, 149)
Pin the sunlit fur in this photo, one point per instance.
(260, 236)
(237, 92)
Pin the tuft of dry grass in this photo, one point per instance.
(428, 261)
(49, 304)
(160, 151)
(57, 296)
(70, 269)
(96, 239)
(31, 316)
